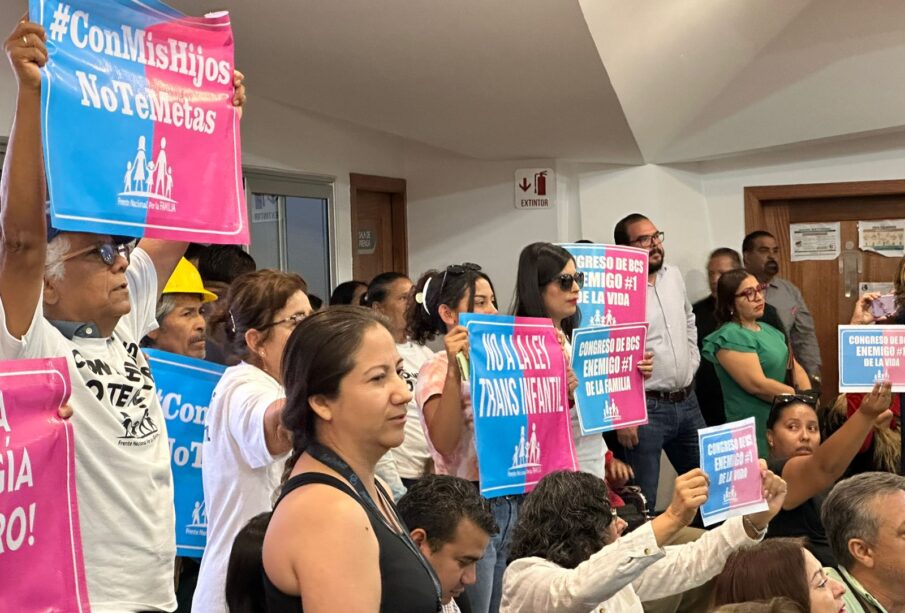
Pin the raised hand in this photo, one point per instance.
(27, 53)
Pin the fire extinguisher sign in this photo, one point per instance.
(535, 188)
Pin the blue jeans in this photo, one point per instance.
(487, 591)
(671, 427)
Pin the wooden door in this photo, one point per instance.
(379, 242)
(821, 282)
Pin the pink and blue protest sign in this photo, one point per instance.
(519, 394)
(184, 387)
(870, 354)
(615, 283)
(140, 136)
(610, 392)
(41, 566)
(729, 458)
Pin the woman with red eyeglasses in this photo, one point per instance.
(753, 360)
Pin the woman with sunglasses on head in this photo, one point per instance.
(751, 358)
(443, 396)
(547, 285)
(244, 442)
(810, 468)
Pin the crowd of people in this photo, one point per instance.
(340, 468)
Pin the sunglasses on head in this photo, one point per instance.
(107, 252)
(457, 269)
(566, 281)
(782, 400)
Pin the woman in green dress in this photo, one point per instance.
(751, 357)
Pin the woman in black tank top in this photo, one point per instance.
(335, 542)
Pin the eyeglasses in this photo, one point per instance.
(566, 281)
(457, 269)
(751, 292)
(293, 320)
(106, 251)
(648, 239)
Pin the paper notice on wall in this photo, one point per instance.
(814, 241)
(884, 237)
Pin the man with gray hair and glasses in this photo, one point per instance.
(864, 519)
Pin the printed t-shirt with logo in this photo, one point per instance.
(412, 455)
(240, 475)
(123, 477)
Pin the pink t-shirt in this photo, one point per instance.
(463, 462)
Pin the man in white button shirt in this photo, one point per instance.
(674, 415)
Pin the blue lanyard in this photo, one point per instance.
(330, 458)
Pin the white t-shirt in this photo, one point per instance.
(413, 454)
(240, 475)
(122, 458)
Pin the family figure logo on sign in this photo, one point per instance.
(139, 132)
(185, 386)
(41, 564)
(729, 458)
(869, 355)
(520, 399)
(610, 392)
(615, 283)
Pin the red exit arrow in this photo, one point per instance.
(524, 184)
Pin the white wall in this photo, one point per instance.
(462, 210)
(669, 195)
(700, 206)
(279, 137)
(723, 182)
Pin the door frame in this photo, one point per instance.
(396, 190)
(756, 197)
(306, 185)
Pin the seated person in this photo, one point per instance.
(451, 524)
(809, 468)
(864, 518)
(567, 555)
(778, 567)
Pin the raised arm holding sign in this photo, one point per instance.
(90, 298)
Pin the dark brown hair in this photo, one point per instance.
(774, 567)
(775, 605)
(726, 289)
(563, 520)
(319, 354)
(253, 302)
(422, 317)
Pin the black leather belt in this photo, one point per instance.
(674, 396)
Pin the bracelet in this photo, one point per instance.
(759, 532)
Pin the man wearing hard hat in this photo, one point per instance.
(179, 315)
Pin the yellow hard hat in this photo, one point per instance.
(187, 280)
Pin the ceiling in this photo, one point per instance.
(617, 81)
